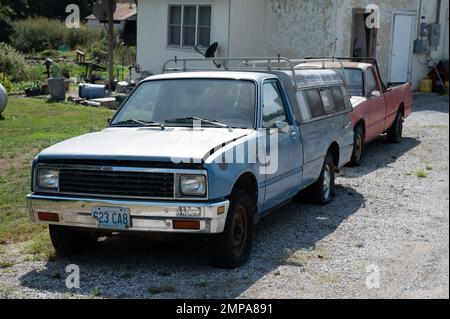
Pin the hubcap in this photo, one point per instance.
(326, 182)
(239, 233)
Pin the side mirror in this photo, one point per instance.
(282, 127)
(375, 93)
(108, 121)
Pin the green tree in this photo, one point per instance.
(6, 28)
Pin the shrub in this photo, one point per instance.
(12, 63)
(124, 55)
(9, 87)
(83, 37)
(39, 34)
(50, 53)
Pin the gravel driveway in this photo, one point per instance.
(387, 223)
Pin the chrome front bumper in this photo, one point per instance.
(145, 215)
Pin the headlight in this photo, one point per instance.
(48, 178)
(193, 185)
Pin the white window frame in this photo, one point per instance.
(197, 12)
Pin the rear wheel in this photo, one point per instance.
(322, 192)
(231, 249)
(394, 134)
(68, 240)
(358, 146)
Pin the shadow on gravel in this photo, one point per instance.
(380, 154)
(140, 267)
(431, 102)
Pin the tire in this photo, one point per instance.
(358, 147)
(67, 240)
(323, 191)
(394, 134)
(232, 248)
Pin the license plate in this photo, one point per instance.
(111, 217)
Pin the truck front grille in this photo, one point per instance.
(117, 183)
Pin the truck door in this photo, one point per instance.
(376, 106)
(283, 170)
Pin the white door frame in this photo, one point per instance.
(413, 34)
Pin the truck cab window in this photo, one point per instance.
(371, 83)
(273, 107)
(354, 81)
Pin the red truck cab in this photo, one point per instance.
(377, 108)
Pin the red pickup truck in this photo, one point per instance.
(377, 108)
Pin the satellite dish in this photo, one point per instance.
(210, 53)
(100, 9)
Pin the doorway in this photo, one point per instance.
(364, 39)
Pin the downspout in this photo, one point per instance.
(419, 20)
(438, 11)
(229, 28)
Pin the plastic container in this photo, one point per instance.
(426, 86)
(91, 91)
(57, 89)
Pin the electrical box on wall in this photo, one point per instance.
(434, 35)
(423, 29)
(421, 46)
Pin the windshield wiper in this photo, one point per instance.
(139, 123)
(193, 118)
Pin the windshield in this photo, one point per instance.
(354, 82)
(230, 102)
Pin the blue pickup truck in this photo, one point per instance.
(199, 151)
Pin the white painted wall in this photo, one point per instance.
(292, 28)
(152, 49)
(248, 28)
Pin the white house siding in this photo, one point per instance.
(248, 28)
(153, 28)
(292, 28)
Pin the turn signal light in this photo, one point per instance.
(221, 210)
(186, 224)
(48, 217)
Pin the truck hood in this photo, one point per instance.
(146, 144)
(357, 100)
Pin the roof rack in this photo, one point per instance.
(246, 64)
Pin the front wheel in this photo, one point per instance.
(231, 249)
(394, 134)
(358, 146)
(322, 192)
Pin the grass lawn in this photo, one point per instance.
(29, 126)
